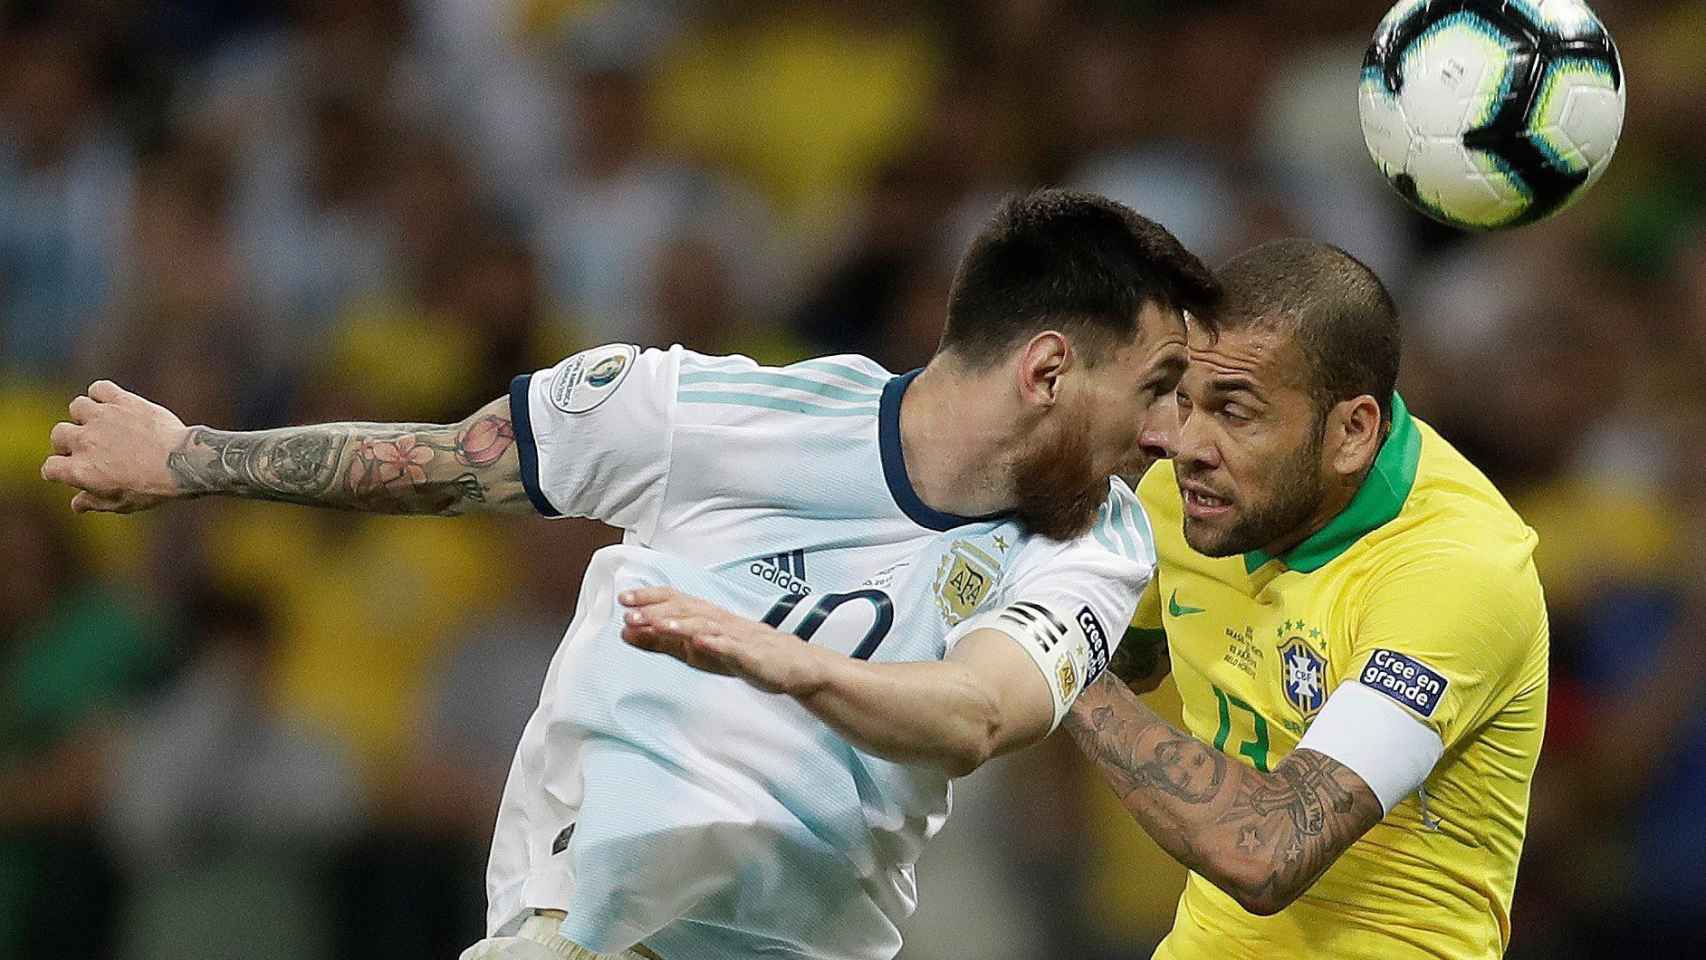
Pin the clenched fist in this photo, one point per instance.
(114, 451)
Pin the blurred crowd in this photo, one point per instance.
(237, 730)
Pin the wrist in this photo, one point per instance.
(818, 671)
(185, 482)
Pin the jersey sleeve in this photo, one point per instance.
(1446, 634)
(595, 434)
(1067, 603)
(1377, 740)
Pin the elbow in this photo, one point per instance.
(1258, 892)
(976, 748)
(1263, 903)
(964, 761)
(980, 737)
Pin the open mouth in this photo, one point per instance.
(1202, 506)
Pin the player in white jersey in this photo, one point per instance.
(951, 535)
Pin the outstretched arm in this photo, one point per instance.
(125, 453)
(1264, 838)
(985, 700)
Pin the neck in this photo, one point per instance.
(957, 440)
(1333, 503)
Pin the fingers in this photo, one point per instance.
(706, 637)
(62, 436)
(720, 647)
(657, 604)
(86, 502)
(667, 628)
(663, 602)
(647, 596)
(673, 635)
(707, 653)
(58, 469)
(82, 408)
(106, 391)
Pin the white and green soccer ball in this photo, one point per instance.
(1486, 114)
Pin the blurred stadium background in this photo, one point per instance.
(230, 731)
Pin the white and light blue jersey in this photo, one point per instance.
(655, 803)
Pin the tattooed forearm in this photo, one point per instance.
(484, 440)
(1174, 765)
(299, 464)
(378, 468)
(1264, 838)
(1301, 819)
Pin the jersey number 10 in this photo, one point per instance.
(806, 625)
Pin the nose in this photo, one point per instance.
(1158, 434)
(1156, 441)
(1193, 448)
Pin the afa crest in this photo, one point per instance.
(963, 580)
(1067, 674)
(1303, 673)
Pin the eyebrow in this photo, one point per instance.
(1170, 364)
(1226, 384)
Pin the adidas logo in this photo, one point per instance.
(786, 570)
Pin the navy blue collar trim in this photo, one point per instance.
(894, 462)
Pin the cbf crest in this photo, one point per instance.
(1303, 672)
(963, 580)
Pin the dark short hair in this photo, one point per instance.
(1341, 316)
(1076, 262)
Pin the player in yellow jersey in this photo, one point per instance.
(1351, 615)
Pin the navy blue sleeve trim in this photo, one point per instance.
(521, 417)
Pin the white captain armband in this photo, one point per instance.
(1070, 647)
(1377, 740)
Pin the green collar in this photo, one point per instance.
(1382, 495)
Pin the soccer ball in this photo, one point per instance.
(1491, 113)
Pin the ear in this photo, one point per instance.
(1041, 363)
(1355, 426)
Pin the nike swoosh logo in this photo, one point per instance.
(1174, 609)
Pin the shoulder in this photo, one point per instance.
(1455, 532)
(1122, 527)
(1444, 569)
(1449, 585)
(823, 386)
(737, 388)
(1450, 491)
(1120, 542)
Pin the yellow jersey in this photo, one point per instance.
(1424, 589)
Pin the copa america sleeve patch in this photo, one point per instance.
(588, 378)
(1406, 680)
